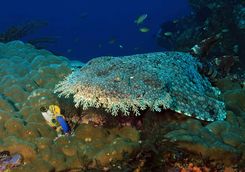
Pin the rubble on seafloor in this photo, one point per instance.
(169, 139)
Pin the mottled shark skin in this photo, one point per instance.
(128, 84)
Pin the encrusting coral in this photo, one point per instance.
(168, 80)
(27, 80)
(103, 142)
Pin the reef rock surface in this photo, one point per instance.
(27, 79)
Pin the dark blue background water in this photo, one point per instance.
(84, 28)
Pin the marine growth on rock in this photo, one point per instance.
(158, 81)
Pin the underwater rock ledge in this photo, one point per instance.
(160, 80)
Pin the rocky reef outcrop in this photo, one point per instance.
(208, 18)
(27, 79)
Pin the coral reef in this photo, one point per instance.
(157, 80)
(208, 18)
(177, 141)
(164, 140)
(27, 79)
(17, 32)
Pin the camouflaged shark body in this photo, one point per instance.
(162, 80)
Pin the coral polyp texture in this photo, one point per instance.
(161, 80)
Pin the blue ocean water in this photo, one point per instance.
(90, 28)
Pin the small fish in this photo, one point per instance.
(112, 40)
(144, 29)
(168, 34)
(120, 46)
(209, 71)
(202, 49)
(175, 21)
(225, 30)
(140, 19)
